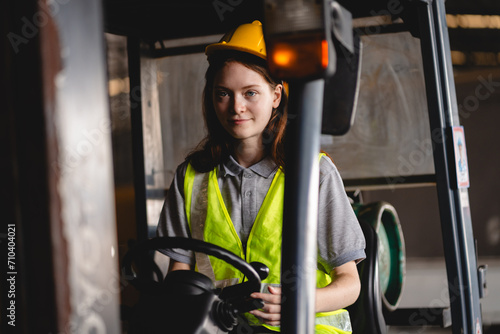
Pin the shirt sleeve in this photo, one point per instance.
(340, 238)
(173, 221)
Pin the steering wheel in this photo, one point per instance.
(186, 297)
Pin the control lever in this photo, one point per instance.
(229, 293)
(261, 269)
(247, 305)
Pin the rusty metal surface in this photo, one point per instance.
(28, 186)
(61, 168)
(51, 65)
(84, 163)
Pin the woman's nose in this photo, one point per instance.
(238, 105)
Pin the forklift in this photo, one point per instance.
(56, 42)
(333, 21)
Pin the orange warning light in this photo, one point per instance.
(298, 56)
(324, 53)
(283, 56)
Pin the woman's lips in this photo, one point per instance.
(238, 121)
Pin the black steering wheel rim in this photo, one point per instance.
(193, 245)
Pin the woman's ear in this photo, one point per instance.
(278, 91)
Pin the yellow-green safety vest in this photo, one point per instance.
(210, 221)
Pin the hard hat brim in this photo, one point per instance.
(213, 48)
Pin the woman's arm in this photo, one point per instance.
(342, 291)
(175, 265)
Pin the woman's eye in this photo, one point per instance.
(221, 93)
(251, 93)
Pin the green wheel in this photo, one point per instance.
(391, 253)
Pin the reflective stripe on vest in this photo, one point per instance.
(338, 319)
(210, 221)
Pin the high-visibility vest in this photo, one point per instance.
(210, 221)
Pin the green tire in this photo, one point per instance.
(391, 253)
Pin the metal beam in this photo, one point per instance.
(60, 144)
(470, 40)
(453, 203)
(134, 68)
(26, 189)
(298, 274)
(478, 7)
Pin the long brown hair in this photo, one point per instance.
(217, 145)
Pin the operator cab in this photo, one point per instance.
(386, 103)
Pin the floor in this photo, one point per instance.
(426, 286)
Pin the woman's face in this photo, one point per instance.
(244, 101)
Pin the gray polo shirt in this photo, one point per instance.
(340, 238)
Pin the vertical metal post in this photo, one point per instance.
(298, 272)
(65, 262)
(456, 222)
(81, 144)
(26, 189)
(134, 68)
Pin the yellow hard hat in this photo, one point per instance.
(247, 37)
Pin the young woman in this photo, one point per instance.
(230, 190)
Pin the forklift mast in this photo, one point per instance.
(426, 20)
(59, 168)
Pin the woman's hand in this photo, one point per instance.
(271, 312)
(341, 292)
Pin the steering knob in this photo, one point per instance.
(261, 269)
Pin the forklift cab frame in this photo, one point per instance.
(425, 20)
(50, 85)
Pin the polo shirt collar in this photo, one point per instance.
(265, 168)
